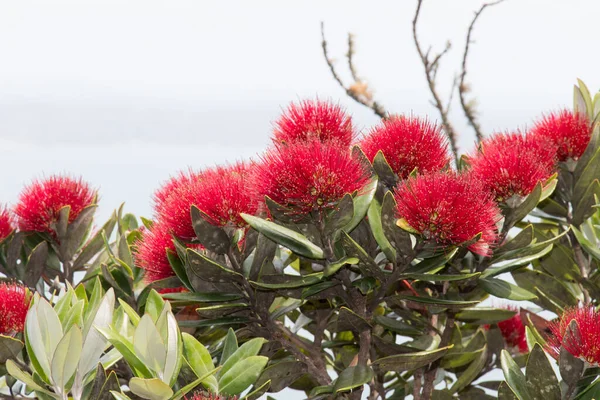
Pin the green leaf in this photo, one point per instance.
(374, 216)
(96, 243)
(548, 285)
(248, 349)
(286, 237)
(36, 264)
(340, 216)
(291, 281)
(433, 264)
(410, 361)
(195, 297)
(505, 290)
(212, 237)
(399, 239)
(505, 392)
(589, 173)
(445, 303)
(484, 315)
(241, 375)
(10, 348)
(209, 270)
(348, 320)
(589, 247)
(199, 360)
(179, 268)
(383, 170)
(66, 357)
(152, 389)
(541, 381)
(514, 215)
(515, 264)
(361, 204)
(471, 373)
(335, 266)
(353, 377)
(397, 326)
(16, 372)
(76, 233)
(281, 374)
(571, 368)
(187, 388)
(43, 332)
(119, 395)
(230, 346)
(366, 264)
(126, 349)
(513, 376)
(440, 277)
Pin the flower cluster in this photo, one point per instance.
(408, 143)
(40, 203)
(318, 120)
(569, 132)
(512, 164)
(14, 303)
(513, 332)
(449, 209)
(585, 342)
(211, 396)
(6, 223)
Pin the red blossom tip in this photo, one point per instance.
(512, 164)
(586, 343)
(314, 119)
(307, 177)
(513, 332)
(151, 254)
(40, 202)
(449, 209)
(6, 223)
(569, 132)
(14, 303)
(408, 143)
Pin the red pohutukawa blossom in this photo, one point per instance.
(14, 304)
(570, 132)
(152, 250)
(174, 186)
(586, 343)
(226, 193)
(314, 119)
(408, 143)
(449, 209)
(513, 332)
(39, 203)
(512, 164)
(211, 396)
(6, 223)
(308, 177)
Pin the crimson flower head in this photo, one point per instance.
(225, 194)
(513, 332)
(314, 119)
(408, 143)
(152, 250)
(39, 203)
(569, 132)
(14, 303)
(308, 176)
(6, 223)
(512, 164)
(173, 203)
(449, 209)
(584, 344)
(211, 396)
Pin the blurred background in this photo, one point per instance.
(126, 93)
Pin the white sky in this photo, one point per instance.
(126, 93)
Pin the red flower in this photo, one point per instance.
(513, 332)
(314, 119)
(6, 223)
(512, 164)
(14, 303)
(308, 177)
(583, 345)
(408, 143)
(211, 396)
(570, 132)
(173, 203)
(39, 203)
(449, 209)
(225, 194)
(152, 252)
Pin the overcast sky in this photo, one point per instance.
(126, 93)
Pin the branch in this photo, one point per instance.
(358, 91)
(463, 88)
(431, 67)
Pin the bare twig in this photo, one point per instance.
(359, 91)
(463, 88)
(431, 67)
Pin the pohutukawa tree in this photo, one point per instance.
(336, 264)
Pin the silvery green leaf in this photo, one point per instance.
(149, 346)
(66, 357)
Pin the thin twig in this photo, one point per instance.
(431, 67)
(358, 91)
(463, 88)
